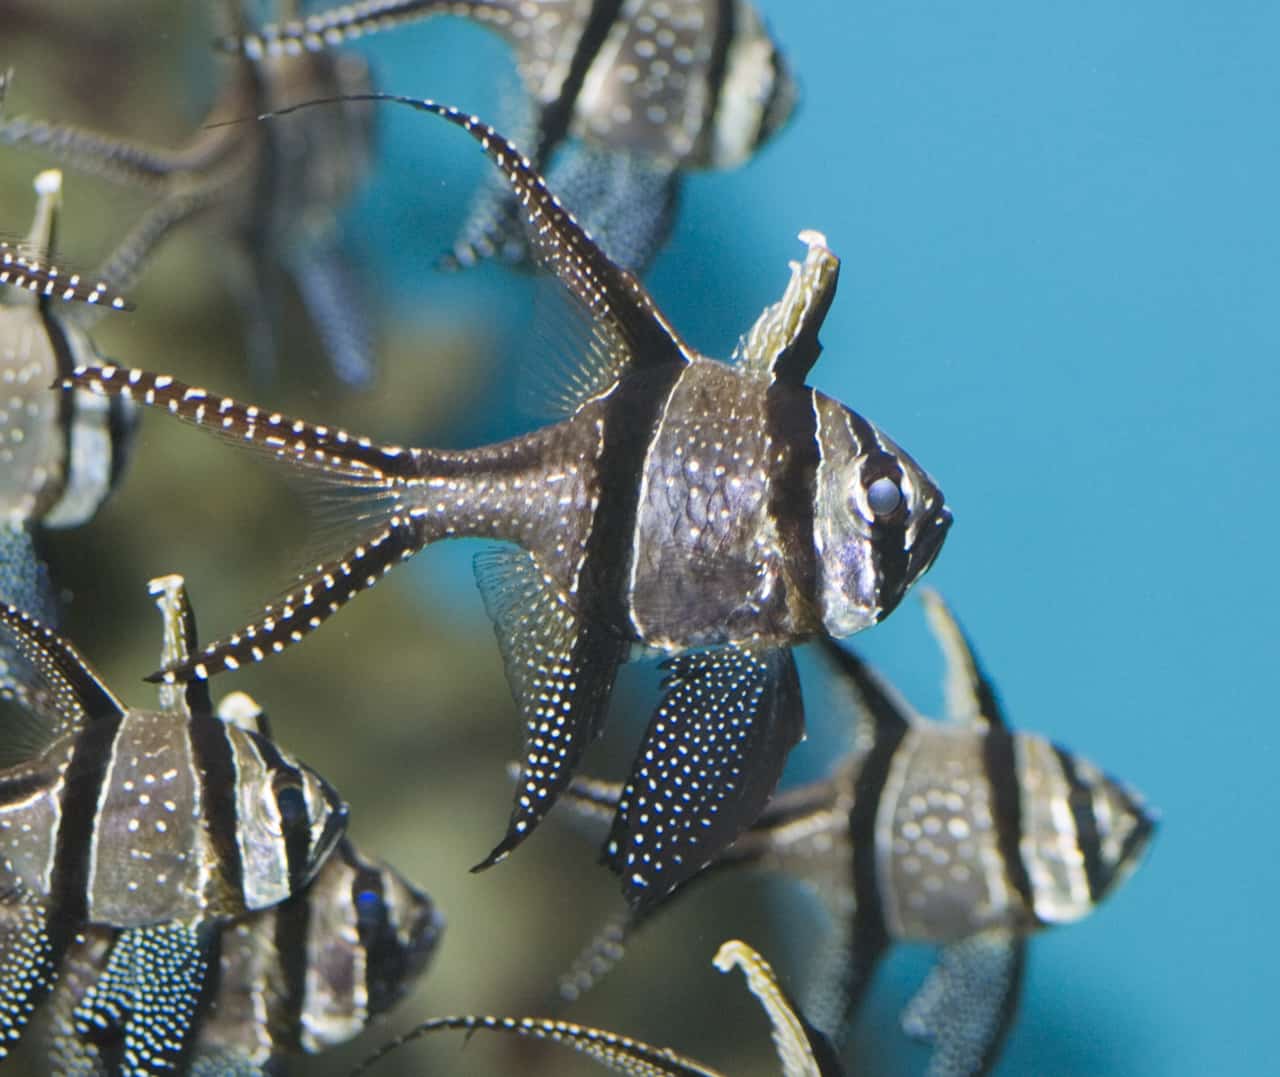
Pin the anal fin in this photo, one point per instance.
(711, 758)
(560, 668)
(967, 1002)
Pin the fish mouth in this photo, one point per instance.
(924, 551)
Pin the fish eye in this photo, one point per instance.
(292, 804)
(368, 906)
(884, 496)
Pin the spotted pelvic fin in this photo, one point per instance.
(736, 713)
(783, 343)
(967, 1003)
(561, 670)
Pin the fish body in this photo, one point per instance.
(683, 505)
(299, 978)
(964, 834)
(159, 825)
(272, 190)
(60, 454)
(652, 89)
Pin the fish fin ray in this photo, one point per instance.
(711, 758)
(967, 1002)
(560, 668)
(972, 699)
(783, 343)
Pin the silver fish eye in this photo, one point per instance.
(884, 496)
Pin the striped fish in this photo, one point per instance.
(652, 88)
(272, 190)
(162, 824)
(60, 454)
(713, 512)
(802, 1050)
(961, 833)
(301, 978)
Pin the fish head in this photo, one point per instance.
(289, 819)
(1107, 828)
(879, 520)
(400, 928)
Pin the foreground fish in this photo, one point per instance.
(960, 833)
(683, 504)
(303, 977)
(802, 1050)
(163, 824)
(653, 88)
(273, 190)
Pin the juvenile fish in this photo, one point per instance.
(961, 833)
(652, 88)
(802, 1050)
(716, 512)
(163, 824)
(272, 190)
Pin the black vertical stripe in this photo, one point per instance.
(555, 120)
(1088, 841)
(297, 839)
(792, 424)
(383, 956)
(890, 556)
(1001, 767)
(293, 949)
(219, 796)
(86, 773)
(718, 69)
(631, 422)
(121, 421)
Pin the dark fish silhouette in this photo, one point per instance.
(960, 833)
(163, 824)
(715, 512)
(273, 190)
(653, 88)
(802, 1050)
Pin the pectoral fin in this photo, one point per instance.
(710, 760)
(561, 670)
(967, 1002)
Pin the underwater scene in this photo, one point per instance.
(842, 418)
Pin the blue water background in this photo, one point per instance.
(1059, 292)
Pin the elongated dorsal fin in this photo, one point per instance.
(876, 705)
(180, 641)
(971, 697)
(783, 344)
(68, 686)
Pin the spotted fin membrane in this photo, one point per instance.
(802, 1051)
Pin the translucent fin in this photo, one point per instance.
(639, 334)
(561, 671)
(28, 963)
(147, 997)
(618, 1053)
(711, 758)
(625, 200)
(875, 704)
(783, 344)
(802, 1051)
(180, 641)
(844, 966)
(332, 295)
(971, 697)
(967, 1003)
(69, 687)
